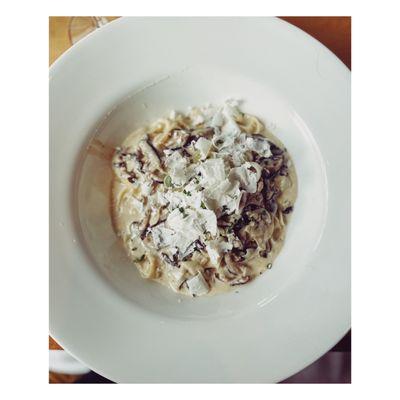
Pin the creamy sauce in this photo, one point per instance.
(212, 267)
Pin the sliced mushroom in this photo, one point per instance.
(288, 210)
(256, 199)
(206, 132)
(284, 171)
(243, 201)
(144, 225)
(122, 166)
(271, 206)
(154, 217)
(241, 281)
(259, 229)
(232, 267)
(275, 150)
(242, 222)
(237, 254)
(171, 260)
(224, 221)
(260, 214)
(209, 274)
(190, 139)
(150, 155)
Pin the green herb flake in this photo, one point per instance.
(202, 205)
(187, 193)
(168, 181)
(182, 210)
(196, 156)
(139, 259)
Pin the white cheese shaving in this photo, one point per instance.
(132, 164)
(207, 220)
(248, 175)
(217, 120)
(236, 152)
(176, 274)
(145, 187)
(230, 130)
(159, 199)
(189, 198)
(216, 249)
(192, 186)
(134, 230)
(134, 205)
(162, 236)
(182, 229)
(197, 285)
(179, 137)
(196, 116)
(224, 194)
(212, 172)
(177, 168)
(259, 145)
(203, 146)
(186, 231)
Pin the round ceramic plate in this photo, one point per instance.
(133, 71)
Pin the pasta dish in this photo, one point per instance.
(201, 200)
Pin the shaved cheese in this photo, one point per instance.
(197, 285)
(247, 175)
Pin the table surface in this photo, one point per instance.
(333, 32)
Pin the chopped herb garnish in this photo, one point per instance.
(196, 156)
(187, 193)
(140, 258)
(134, 248)
(168, 181)
(202, 205)
(182, 210)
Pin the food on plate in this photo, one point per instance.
(201, 200)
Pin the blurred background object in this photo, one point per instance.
(335, 34)
(66, 31)
(79, 27)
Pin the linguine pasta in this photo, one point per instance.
(201, 200)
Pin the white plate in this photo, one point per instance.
(131, 330)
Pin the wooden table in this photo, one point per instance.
(333, 32)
